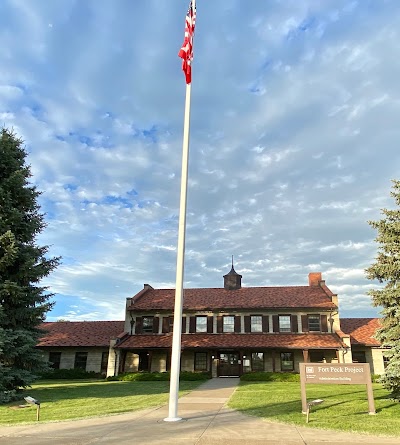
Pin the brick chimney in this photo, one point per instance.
(314, 279)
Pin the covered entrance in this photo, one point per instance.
(229, 364)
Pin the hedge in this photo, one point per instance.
(159, 376)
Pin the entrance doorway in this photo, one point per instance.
(143, 361)
(229, 364)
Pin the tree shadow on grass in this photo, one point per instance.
(100, 390)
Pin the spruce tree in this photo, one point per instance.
(23, 264)
(386, 269)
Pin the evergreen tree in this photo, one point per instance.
(386, 269)
(23, 302)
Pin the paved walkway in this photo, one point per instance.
(206, 421)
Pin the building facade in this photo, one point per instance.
(227, 331)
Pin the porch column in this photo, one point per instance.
(338, 355)
(273, 360)
(306, 356)
(241, 362)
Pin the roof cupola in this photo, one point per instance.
(232, 280)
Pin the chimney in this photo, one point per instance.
(232, 280)
(314, 279)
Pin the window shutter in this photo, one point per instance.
(192, 325)
(138, 329)
(183, 325)
(265, 323)
(324, 323)
(165, 325)
(275, 323)
(156, 324)
(237, 323)
(210, 322)
(247, 323)
(293, 323)
(304, 323)
(219, 324)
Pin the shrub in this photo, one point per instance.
(270, 377)
(159, 376)
(70, 374)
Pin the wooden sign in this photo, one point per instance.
(336, 374)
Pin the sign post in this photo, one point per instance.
(336, 374)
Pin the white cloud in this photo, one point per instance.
(293, 141)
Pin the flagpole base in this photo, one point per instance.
(173, 419)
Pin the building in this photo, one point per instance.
(80, 344)
(227, 331)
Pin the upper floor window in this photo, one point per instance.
(228, 323)
(147, 324)
(201, 323)
(314, 323)
(284, 323)
(256, 323)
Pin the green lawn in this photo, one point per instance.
(345, 407)
(61, 400)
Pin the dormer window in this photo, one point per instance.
(201, 323)
(256, 323)
(228, 323)
(284, 323)
(314, 323)
(147, 325)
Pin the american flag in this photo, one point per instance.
(186, 51)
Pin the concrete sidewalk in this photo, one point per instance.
(206, 421)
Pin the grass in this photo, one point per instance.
(345, 407)
(61, 400)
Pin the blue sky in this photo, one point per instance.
(294, 141)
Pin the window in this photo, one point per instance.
(284, 323)
(104, 362)
(257, 361)
(314, 323)
(147, 324)
(80, 360)
(359, 357)
(201, 324)
(171, 323)
(229, 323)
(385, 361)
(287, 363)
(200, 361)
(256, 323)
(55, 359)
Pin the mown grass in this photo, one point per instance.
(345, 407)
(61, 400)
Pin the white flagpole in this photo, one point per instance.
(177, 329)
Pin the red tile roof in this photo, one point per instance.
(244, 298)
(361, 330)
(210, 341)
(79, 333)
